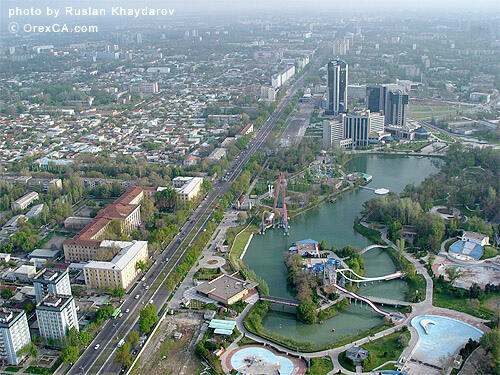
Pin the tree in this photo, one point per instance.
(84, 338)
(490, 341)
(402, 341)
(454, 273)
(133, 338)
(7, 293)
(123, 355)
(70, 354)
(105, 312)
(141, 265)
(147, 318)
(306, 311)
(118, 292)
(28, 349)
(166, 198)
(147, 211)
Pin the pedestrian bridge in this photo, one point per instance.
(280, 301)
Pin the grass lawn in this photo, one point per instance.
(320, 366)
(460, 304)
(384, 349)
(489, 252)
(241, 240)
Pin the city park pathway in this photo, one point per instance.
(421, 308)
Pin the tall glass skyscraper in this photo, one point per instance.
(390, 99)
(337, 87)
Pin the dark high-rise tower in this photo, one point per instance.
(389, 99)
(375, 98)
(395, 107)
(337, 87)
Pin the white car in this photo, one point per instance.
(137, 296)
(97, 346)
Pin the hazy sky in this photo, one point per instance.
(238, 5)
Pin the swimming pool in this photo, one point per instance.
(445, 335)
(238, 358)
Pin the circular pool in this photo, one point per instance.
(440, 336)
(249, 358)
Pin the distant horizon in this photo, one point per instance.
(309, 6)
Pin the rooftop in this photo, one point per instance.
(225, 286)
(128, 252)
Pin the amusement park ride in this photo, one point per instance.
(279, 216)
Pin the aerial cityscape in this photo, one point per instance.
(208, 187)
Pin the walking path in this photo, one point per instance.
(421, 308)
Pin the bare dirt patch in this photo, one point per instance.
(167, 356)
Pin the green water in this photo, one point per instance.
(332, 222)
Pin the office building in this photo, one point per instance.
(56, 315)
(361, 126)
(51, 281)
(122, 270)
(14, 335)
(390, 99)
(395, 107)
(337, 87)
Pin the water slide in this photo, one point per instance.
(363, 299)
(362, 279)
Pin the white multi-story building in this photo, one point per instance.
(121, 271)
(56, 315)
(333, 135)
(25, 200)
(51, 281)
(14, 335)
(187, 187)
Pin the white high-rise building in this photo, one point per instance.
(51, 281)
(333, 134)
(14, 335)
(56, 315)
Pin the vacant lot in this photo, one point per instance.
(166, 356)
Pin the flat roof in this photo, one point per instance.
(225, 286)
(53, 302)
(128, 251)
(44, 253)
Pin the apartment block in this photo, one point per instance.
(51, 281)
(14, 335)
(56, 315)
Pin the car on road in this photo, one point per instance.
(127, 311)
(137, 296)
(97, 346)
(151, 301)
(147, 287)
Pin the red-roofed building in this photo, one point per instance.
(126, 209)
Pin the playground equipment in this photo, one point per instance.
(278, 216)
